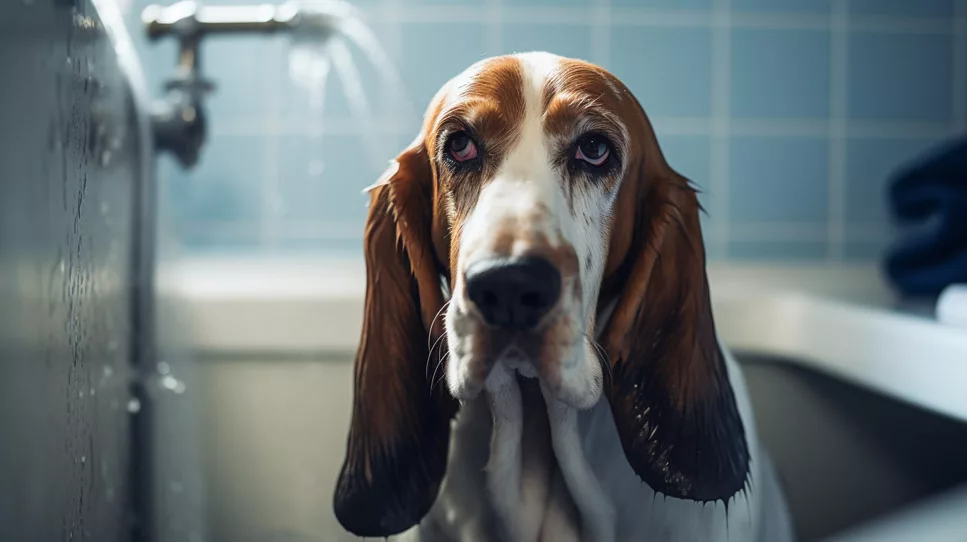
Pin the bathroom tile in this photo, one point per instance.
(871, 165)
(225, 186)
(777, 251)
(774, 179)
(242, 69)
(900, 76)
(663, 4)
(433, 53)
(551, 3)
(780, 73)
(689, 156)
(804, 7)
(668, 69)
(321, 181)
(902, 8)
(572, 41)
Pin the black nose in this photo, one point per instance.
(513, 293)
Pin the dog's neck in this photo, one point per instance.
(538, 475)
(536, 472)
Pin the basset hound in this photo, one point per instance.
(539, 360)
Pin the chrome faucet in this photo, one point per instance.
(179, 121)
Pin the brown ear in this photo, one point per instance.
(670, 394)
(399, 435)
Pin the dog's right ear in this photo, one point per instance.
(399, 435)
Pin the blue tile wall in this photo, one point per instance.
(663, 4)
(903, 8)
(778, 180)
(668, 69)
(439, 52)
(784, 73)
(901, 77)
(572, 40)
(810, 7)
(789, 115)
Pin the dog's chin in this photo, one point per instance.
(569, 371)
(581, 384)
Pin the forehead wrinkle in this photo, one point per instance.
(581, 109)
(489, 100)
(469, 111)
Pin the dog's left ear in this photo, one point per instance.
(670, 395)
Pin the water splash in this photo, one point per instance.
(364, 38)
(353, 88)
(319, 47)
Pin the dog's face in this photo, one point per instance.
(530, 152)
(537, 196)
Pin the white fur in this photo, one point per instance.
(594, 477)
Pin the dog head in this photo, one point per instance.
(534, 224)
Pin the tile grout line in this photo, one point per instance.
(959, 68)
(668, 18)
(838, 104)
(600, 32)
(719, 140)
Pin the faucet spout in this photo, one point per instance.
(179, 120)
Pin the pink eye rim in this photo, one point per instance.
(463, 154)
(603, 150)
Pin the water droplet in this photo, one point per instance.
(107, 371)
(93, 392)
(63, 266)
(112, 345)
(134, 406)
(80, 394)
(69, 61)
(163, 368)
(173, 384)
(83, 459)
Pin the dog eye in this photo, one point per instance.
(593, 150)
(461, 147)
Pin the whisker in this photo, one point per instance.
(603, 358)
(442, 373)
(429, 332)
(429, 354)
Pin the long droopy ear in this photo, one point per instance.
(670, 394)
(399, 435)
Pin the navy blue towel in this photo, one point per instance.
(931, 193)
